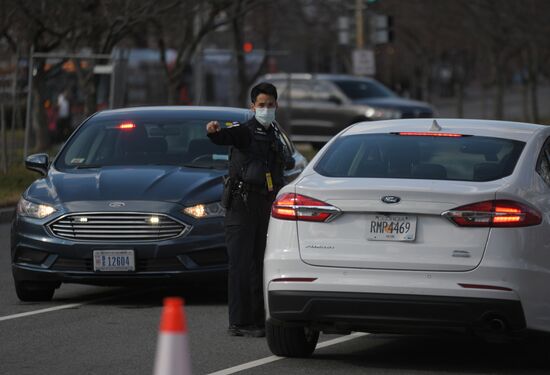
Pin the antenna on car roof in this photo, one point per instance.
(435, 127)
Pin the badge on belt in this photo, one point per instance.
(269, 181)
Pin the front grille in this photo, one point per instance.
(118, 226)
(209, 257)
(160, 264)
(66, 264)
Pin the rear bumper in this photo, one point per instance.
(393, 313)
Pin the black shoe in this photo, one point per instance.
(247, 331)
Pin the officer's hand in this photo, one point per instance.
(213, 127)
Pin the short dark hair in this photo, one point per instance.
(263, 88)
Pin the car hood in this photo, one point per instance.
(392, 102)
(185, 186)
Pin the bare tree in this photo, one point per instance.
(39, 24)
(194, 21)
(239, 13)
(531, 36)
(100, 25)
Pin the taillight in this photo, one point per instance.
(291, 206)
(495, 213)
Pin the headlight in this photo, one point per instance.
(382, 113)
(30, 209)
(200, 211)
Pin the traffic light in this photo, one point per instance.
(248, 47)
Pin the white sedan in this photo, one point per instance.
(413, 226)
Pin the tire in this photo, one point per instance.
(291, 341)
(34, 292)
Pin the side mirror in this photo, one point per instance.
(38, 163)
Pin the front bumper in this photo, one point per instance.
(38, 255)
(377, 312)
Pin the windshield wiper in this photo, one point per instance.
(199, 166)
(206, 166)
(88, 166)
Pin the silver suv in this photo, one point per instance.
(321, 105)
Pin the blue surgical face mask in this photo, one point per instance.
(265, 116)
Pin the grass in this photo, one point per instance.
(14, 183)
(18, 178)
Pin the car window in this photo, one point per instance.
(143, 142)
(543, 163)
(359, 89)
(465, 158)
(324, 92)
(300, 90)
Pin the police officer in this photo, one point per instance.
(257, 160)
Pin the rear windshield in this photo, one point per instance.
(465, 158)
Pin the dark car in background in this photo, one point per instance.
(318, 106)
(134, 194)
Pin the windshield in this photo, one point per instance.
(358, 89)
(112, 142)
(464, 158)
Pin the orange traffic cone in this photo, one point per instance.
(172, 348)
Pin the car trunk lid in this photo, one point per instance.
(393, 224)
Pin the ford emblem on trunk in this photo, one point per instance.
(390, 199)
(117, 204)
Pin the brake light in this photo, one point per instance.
(291, 206)
(495, 213)
(126, 126)
(431, 134)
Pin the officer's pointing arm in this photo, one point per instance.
(235, 135)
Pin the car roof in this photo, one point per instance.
(226, 112)
(490, 128)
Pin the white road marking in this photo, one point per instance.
(273, 358)
(69, 306)
(43, 311)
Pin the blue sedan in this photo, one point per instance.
(133, 195)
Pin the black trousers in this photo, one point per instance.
(246, 234)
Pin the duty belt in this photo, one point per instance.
(243, 186)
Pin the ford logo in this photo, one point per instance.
(117, 204)
(390, 199)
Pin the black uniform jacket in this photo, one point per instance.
(252, 142)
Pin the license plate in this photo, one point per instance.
(391, 227)
(114, 260)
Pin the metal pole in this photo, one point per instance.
(29, 103)
(4, 139)
(112, 84)
(359, 37)
(289, 104)
(198, 71)
(14, 107)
